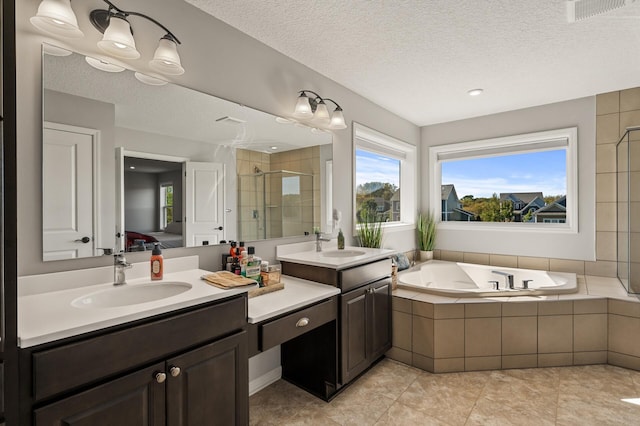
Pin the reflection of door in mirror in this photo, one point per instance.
(68, 191)
(204, 203)
(171, 202)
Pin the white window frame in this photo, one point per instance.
(530, 142)
(373, 141)
(163, 206)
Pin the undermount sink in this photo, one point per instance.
(130, 294)
(342, 253)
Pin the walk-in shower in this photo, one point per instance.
(276, 204)
(628, 209)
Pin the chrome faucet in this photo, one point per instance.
(319, 241)
(119, 266)
(508, 278)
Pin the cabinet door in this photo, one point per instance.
(380, 304)
(353, 333)
(211, 386)
(133, 400)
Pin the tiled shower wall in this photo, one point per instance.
(615, 111)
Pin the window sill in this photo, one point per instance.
(549, 228)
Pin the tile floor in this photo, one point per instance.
(392, 393)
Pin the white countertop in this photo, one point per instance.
(297, 293)
(47, 316)
(305, 253)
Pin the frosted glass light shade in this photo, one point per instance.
(118, 40)
(103, 65)
(56, 17)
(151, 81)
(166, 59)
(303, 107)
(321, 115)
(337, 120)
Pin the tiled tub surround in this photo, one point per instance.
(597, 325)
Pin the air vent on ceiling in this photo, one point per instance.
(231, 120)
(582, 9)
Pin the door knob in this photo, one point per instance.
(84, 240)
(160, 377)
(219, 228)
(174, 371)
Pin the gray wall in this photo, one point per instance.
(141, 202)
(219, 60)
(578, 112)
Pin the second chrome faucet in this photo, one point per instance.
(119, 266)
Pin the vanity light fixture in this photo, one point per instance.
(118, 39)
(316, 109)
(56, 17)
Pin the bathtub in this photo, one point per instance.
(470, 280)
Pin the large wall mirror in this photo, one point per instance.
(127, 164)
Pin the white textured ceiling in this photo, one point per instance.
(418, 58)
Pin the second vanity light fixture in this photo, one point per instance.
(56, 17)
(316, 109)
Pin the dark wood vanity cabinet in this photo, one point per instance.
(189, 368)
(365, 327)
(364, 322)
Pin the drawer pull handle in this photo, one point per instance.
(174, 371)
(302, 322)
(160, 377)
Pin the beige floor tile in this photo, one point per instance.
(395, 394)
(447, 397)
(401, 415)
(388, 378)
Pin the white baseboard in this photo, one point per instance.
(265, 380)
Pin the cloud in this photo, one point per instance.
(548, 185)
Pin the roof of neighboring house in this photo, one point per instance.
(525, 197)
(552, 208)
(462, 211)
(446, 191)
(396, 196)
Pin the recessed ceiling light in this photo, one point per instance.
(274, 147)
(475, 92)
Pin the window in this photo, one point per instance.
(384, 176)
(166, 204)
(527, 180)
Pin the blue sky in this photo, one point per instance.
(371, 167)
(530, 172)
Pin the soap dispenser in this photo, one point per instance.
(340, 240)
(157, 266)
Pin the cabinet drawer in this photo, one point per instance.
(364, 274)
(280, 330)
(69, 366)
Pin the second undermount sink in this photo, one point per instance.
(131, 294)
(342, 253)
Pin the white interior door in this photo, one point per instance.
(68, 192)
(204, 203)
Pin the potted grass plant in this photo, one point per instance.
(369, 230)
(426, 228)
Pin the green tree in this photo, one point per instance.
(496, 211)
